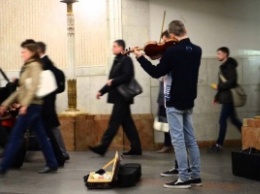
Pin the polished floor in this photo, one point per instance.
(216, 174)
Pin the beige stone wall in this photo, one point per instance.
(46, 21)
(128, 19)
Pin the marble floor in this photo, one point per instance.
(216, 174)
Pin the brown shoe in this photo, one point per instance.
(165, 149)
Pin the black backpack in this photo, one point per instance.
(60, 79)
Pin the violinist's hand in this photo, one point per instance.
(137, 52)
(98, 95)
(109, 82)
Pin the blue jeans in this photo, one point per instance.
(227, 111)
(183, 139)
(32, 119)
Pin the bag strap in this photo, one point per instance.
(221, 76)
(4, 75)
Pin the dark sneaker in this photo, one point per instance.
(196, 182)
(132, 152)
(170, 173)
(66, 157)
(2, 173)
(98, 150)
(215, 149)
(178, 184)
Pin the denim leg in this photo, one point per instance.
(37, 126)
(191, 144)
(15, 142)
(225, 113)
(175, 120)
(234, 119)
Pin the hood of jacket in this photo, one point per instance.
(230, 62)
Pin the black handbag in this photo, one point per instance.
(130, 90)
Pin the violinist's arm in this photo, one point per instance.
(159, 70)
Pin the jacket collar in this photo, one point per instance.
(184, 41)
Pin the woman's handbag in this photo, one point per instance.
(238, 94)
(47, 83)
(160, 126)
(130, 90)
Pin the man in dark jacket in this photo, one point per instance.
(122, 72)
(49, 114)
(181, 64)
(224, 96)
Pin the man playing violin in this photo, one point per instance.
(181, 65)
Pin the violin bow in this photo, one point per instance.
(164, 15)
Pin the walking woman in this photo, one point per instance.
(29, 113)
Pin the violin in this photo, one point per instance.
(153, 49)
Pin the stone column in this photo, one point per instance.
(72, 82)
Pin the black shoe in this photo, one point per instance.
(132, 152)
(48, 170)
(98, 150)
(178, 184)
(170, 173)
(2, 173)
(215, 149)
(66, 157)
(196, 182)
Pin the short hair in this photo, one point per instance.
(166, 34)
(42, 47)
(31, 46)
(224, 50)
(27, 41)
(177, 28)
(121, 43)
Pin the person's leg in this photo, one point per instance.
(38, 127)
(234, 119)
(58, 136)
(130, 129)
(225, 113)
(191, 145)
(4, 135)
(113, 126)
(175, 120)
(14, 143)
(56, 148)
(167, 140)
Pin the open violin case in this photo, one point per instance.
(121, 175)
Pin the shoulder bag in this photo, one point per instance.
(47, 83)
(131, 89)
(238, 93)
(160, 126)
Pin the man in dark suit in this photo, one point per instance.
(49, 114)
(122, 72)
